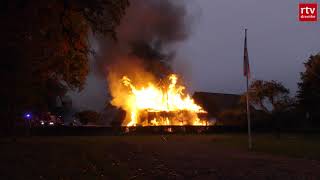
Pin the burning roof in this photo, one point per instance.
(156, 104)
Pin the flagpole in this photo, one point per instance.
(248, 108)
(248, 117)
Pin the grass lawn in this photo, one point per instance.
(126, 157)
(291, 145)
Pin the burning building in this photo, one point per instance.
(161, 104)
(138, 66)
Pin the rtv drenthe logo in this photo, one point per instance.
(308, 12)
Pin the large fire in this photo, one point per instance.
(160, 104)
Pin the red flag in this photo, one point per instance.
(246, 66)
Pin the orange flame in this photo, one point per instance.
(154, 105)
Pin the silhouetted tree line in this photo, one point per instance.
(273, 106)
(44, 50)
(309, 91)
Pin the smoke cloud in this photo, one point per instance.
(146, 42)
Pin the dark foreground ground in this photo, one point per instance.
(159, 157)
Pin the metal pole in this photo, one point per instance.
(248, 106)
(248, 117)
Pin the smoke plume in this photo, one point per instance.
(146, 39)
(145, 48)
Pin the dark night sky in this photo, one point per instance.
(278, 43)
(211, 59)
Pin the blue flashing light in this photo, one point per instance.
(27, 115)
